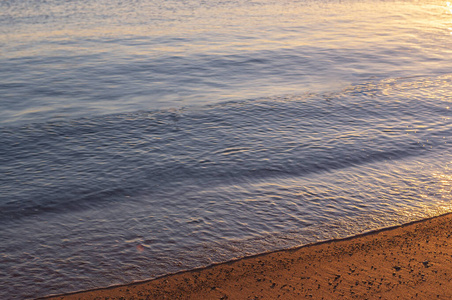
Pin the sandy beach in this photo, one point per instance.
(413, 261)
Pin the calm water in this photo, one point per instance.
(140, 138)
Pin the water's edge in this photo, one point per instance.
(347, 238)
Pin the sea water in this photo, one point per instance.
(144, 137)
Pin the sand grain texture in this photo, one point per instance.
(409, 262)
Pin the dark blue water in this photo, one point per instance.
(141, 138)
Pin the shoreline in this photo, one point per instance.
(411, 260)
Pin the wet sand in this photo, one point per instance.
(413, 261)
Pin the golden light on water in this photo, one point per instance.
(449, 12)
(445, 184)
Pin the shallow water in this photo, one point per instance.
(140, 138)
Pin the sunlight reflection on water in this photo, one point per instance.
(89, 58)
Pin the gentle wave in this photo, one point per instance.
(62, 166)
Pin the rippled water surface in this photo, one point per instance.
(140, 138)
